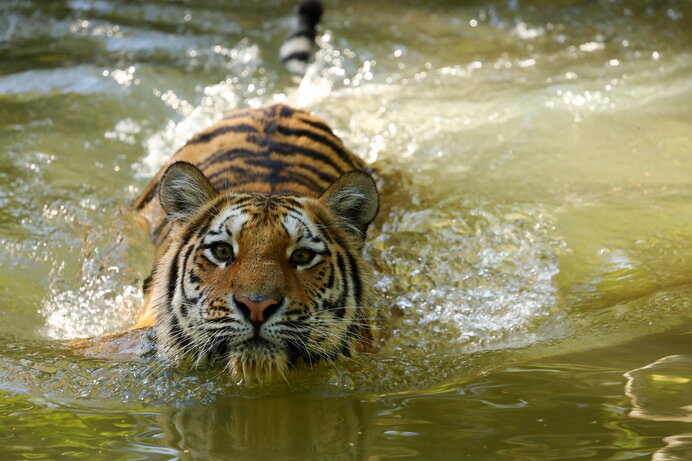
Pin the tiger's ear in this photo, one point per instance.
(353, 199)
(183, 190)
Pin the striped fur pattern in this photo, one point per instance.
(297, 48)
(259, 223)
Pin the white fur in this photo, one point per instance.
(229, 223)
(299, 237)
(296, 66)
(295, 45)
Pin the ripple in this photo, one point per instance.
(83, 79)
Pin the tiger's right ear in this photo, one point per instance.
(183, 190)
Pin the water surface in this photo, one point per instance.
(532, 252)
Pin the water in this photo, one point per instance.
(532, 252)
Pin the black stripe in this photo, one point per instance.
(219, 348)
(247, 173)
(285, 111)
(323, 233)
(173, 278)
(183, 306)
(275, 175)
(206, 137)
(276, 165)
(344, 348)
(340, 308)
(297, 55)
(355, 276)
(353, 332)
(290, 149)
(328, 178)
(301, 179)
(235, 201)
(194, 278)
(203, 230)
(330, 282)
(302, 33)
(200, 226)
(309, 13)
(223, 184)
(146, 284)
(289, 201)
(305, 227)
(269, 163)
(289, 208)
(178, 335)
(299, 218)
(226, 155)
(318, 125)
(318, 138)
(176, 332)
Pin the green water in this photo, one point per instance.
(533, 252)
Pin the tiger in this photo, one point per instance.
(259, 224)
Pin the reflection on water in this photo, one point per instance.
(662, 391)
(272, 428)
(567, 407)
(534, 166)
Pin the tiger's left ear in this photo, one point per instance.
(353, 199)
(183, 190)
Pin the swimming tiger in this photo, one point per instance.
(259, 223)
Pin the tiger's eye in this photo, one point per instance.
(302, 257)
(222, 251)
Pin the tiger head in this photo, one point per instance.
(259, 282)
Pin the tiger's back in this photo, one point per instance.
(272, 150)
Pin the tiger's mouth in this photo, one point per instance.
(254, 360)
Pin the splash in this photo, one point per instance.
(106, 297)
(468, 277)
(217, 100)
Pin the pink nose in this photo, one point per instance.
(258, 311)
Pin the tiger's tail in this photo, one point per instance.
(297, 48)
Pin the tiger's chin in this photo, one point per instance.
(258, 363)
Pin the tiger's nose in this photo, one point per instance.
(258, 311)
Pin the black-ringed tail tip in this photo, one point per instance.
(296, 51)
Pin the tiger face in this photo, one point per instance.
(258, 282)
